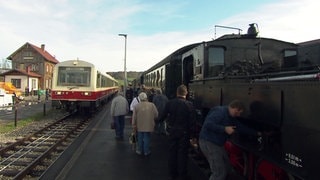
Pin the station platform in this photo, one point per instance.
(98, 155)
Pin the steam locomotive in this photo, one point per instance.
(78, 84)
(279, 83)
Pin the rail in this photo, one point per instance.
(21, 158)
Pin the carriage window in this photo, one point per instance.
(74, 76)
(99, 80)
(215, 61)
(105, 82)
(153, 78)
(161, 78)
(158, 78)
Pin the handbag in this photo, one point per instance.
(132, 138)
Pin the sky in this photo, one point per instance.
(89, 29)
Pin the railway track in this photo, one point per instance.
(31, 156)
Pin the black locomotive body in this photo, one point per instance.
(278, 82)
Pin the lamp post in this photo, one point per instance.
(125, 68)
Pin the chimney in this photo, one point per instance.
(28, 68)
(42, 47)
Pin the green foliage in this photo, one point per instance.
(119, 76)
(9, 126)
(121, 81)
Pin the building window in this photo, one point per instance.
(46, 83)
(16, 82)
(27, 53)
(22, 66)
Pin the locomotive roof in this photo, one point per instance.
(310, 43)
(246, 36)
(179, 51)
(222, 38)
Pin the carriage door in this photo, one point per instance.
(192, 64)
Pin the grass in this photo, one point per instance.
(121, 80)
(10, 126)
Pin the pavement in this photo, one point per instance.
(96, 155)
(26, 108)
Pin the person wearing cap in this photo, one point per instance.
(143, 122)
(119, 108)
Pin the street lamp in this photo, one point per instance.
(125, 68)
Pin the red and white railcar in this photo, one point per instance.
(79, 84)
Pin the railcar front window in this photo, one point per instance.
(74, 76)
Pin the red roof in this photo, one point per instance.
(22, 72)
(43, 53)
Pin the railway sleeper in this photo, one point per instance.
(9, 172)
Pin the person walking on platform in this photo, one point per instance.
(180, 115)
(47, 94)
(221, 122)
(134, 102)
(129, 93)
(160, 100)
(119, 108)
(143, 120)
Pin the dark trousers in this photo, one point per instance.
(178, 156)
(119, 125)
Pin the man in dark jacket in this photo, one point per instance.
(219, 124)
(160, 100)
(180, 118)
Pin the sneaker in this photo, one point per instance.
(138, 152)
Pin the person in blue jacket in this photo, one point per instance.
(219, 124)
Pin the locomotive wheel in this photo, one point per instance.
(238, 159)
(265, 170)
(241, 164)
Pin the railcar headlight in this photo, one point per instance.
(87, 93)
(58, 92)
